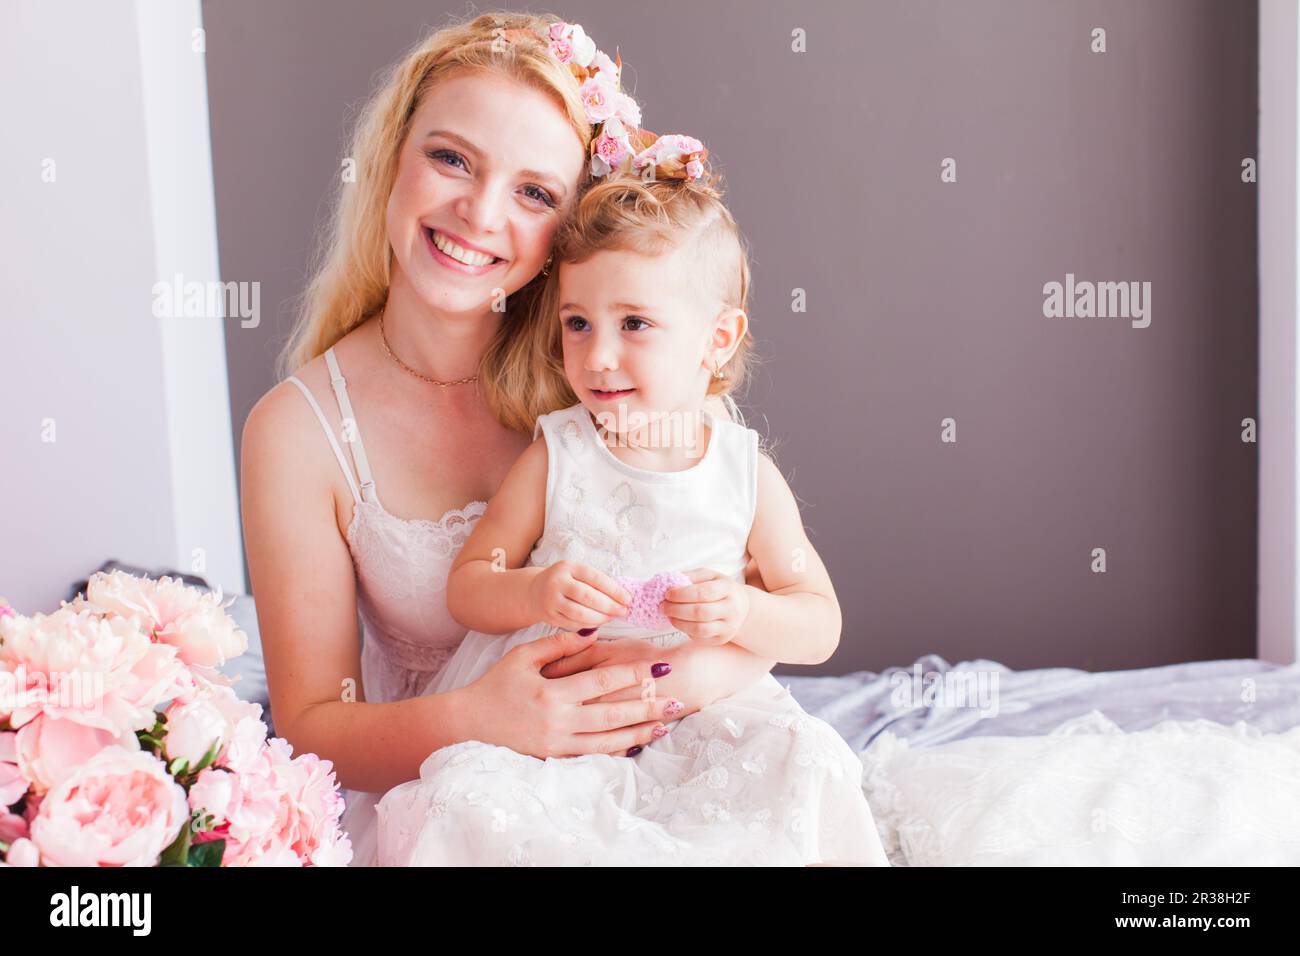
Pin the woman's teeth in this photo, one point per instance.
(447, 247)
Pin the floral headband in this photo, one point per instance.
(618, 139)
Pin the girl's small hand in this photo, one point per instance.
(573, 596)
(711, 609)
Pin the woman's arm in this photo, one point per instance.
(305, 591)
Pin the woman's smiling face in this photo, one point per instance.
(487, 172)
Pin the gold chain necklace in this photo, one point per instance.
(433, 381)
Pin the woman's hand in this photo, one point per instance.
(711, 609)
(514, 706)
(572, 595)
(699, 675)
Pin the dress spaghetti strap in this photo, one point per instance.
(340, 386)
(329, 433)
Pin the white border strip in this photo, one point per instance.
(1278, 627)
(200, 444)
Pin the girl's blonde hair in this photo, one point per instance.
(351, 275)
(650, 217)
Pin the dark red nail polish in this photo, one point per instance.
(633, 751)
(660, 669)
(584, 631)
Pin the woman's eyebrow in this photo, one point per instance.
(549, 178)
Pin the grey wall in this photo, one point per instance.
(925, 299)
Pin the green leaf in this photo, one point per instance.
(208, 757)
(177, 852)
(177, 766)
(207, 854)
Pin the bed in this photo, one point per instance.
(1193, 763)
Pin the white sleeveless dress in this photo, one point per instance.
(401, 567)
(750, 779)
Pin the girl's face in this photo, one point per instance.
(485, 176)
(637, 333)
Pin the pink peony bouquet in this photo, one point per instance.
(122, 744)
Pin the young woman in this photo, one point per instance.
(407, 358)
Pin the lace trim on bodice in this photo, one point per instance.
(405, 562)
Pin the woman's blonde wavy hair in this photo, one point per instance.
(651, 217)
(351, 273)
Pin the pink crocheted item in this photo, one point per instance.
(648, 594)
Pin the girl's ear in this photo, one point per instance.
(729, 329)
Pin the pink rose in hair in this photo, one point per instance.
(695, 169)
(120, 809)
(582, 46)
(604, 65)
(611, 148)
(628, 111)
(561, 50)
(599, 98)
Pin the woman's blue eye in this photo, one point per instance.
(543, 196)
(457, 161)
(440, 153)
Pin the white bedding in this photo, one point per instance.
(1180, 793)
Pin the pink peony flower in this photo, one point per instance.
(101, 672)
(120, 809)
(276, 811)
(22, 853)
(214, 714)
(12, 827)
(12, 783)
(193, 622)
(695, 169)
(50, 750)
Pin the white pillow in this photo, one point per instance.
(1182, 793)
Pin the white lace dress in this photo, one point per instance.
(750, 779)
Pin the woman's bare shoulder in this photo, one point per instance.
(283, 413)
(285, 451)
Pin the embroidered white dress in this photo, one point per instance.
(750, 779)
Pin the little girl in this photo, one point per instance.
(586, 531)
